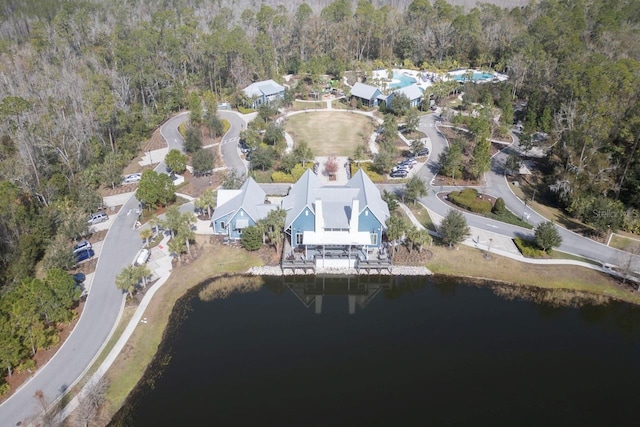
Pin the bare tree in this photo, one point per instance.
(92, 398)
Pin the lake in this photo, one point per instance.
(402, 351)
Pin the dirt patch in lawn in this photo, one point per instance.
(328, 134)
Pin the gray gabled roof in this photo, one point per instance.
(263, 88)
(250, 200)
(300, 196)
(412, 92)
(364, 91)
(336, 205)
(336, 200)
(369, 196)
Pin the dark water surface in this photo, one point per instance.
(420, 353)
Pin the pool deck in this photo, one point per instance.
(424, 79)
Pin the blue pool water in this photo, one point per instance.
(402, 80)
(477, 76)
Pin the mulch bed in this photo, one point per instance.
(402, 256)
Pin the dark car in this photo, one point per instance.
(399, 174)
(79, 278)
(423, 152)
(84, 255)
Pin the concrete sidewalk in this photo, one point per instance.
(497, 243)
(160, 266)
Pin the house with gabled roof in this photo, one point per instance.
(412, 92)
(368, 95)
(239, 209)
(342, 223)
(264, 92)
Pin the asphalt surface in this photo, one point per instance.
(229, 143)
(100, 314)
(498, 186)
(98, 318)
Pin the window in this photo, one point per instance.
(374, 238)
(298, 238)
(223, 225)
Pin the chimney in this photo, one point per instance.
(319, 216)
(353, 221)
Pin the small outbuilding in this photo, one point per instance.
(368, 95)
(264, 92)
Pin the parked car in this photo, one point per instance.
(85, 244)
(244, 148)
(84, 255)
(402, 168)
(97, 218)
(423, 152)
(79, 278)
(134, 177)
(406, 164)
(143, 256)
(399, 174)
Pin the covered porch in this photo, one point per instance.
(321, 252)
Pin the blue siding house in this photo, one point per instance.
(335, 220)
(239, 209)
(413, 93)
(368, 95)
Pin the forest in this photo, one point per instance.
(83, 83)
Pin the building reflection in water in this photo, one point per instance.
(359, 290)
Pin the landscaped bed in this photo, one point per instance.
(485, 205)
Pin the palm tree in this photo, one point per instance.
(127, 280)
(146, 234)
(207, 200)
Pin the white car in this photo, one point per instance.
(134, 177)
(143, 256)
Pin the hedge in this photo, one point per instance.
(468, 199)
(528, 248)
(281, 177)
(244, 110)
(366, 167)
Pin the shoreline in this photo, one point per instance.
(181, 286)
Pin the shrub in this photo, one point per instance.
(468, 199)
(499, 207)
(244, 110)
(279, 177)
(251, 238)
(4, 388)
(366, 168)
(528, 248)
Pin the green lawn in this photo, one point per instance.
(421, 213)
(308, 105)
(330, 134)
(623, 243)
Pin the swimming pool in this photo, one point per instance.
(478, 76)
(401, 80)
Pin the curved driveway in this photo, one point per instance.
(99, 317)
(229, 143)
(497, 186)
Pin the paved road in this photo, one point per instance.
(497, 186)
(100, 314)
(229, 144)
(98, 318)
